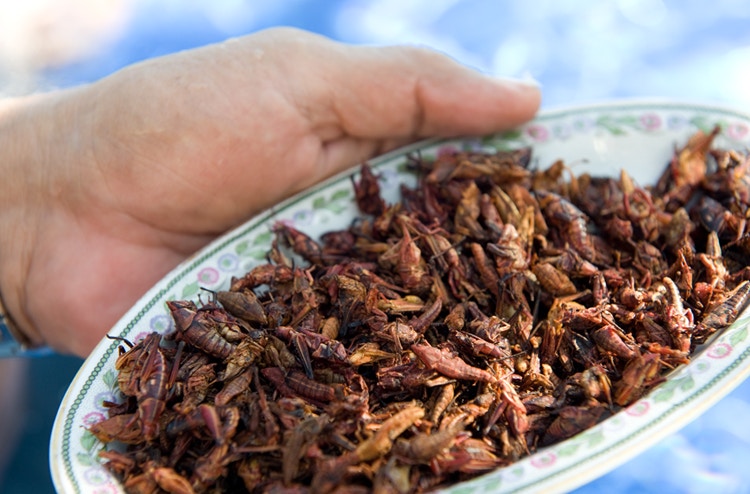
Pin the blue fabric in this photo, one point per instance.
(11, 348)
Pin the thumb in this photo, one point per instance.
(409, 92)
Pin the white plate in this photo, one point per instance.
(601, 139)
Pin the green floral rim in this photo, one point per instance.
(712, 374)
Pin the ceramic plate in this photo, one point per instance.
(601, 139)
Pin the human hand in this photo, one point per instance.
(109, 186)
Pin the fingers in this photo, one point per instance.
(358, 101)
(409, 92)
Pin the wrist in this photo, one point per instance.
(29, 127)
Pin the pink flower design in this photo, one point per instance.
(720, 350)
(92, 418)
(650, 121)
(96, 476)
(208, 276)
(447, 150)
(107, 488)
(140, 336)
(543, 461)
(538, 133)
(737, 132)
(638, 409)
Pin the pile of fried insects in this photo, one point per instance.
(494, 310)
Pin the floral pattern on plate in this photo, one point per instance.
(599, 139)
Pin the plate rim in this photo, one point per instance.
(729, 378)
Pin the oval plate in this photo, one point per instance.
(601, 139)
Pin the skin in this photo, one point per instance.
(108, 186)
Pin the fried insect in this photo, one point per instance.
(495, 309)
(442, 361)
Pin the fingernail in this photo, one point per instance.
(526, 79)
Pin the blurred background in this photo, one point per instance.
(580, 51)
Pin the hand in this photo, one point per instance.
(110, 185)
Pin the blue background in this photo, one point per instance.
(580, 51)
